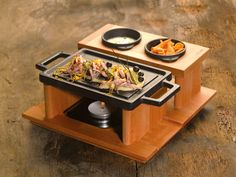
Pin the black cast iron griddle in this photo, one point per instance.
(155, 79)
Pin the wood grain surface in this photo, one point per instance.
(33, 30)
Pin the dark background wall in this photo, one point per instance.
(33, 30)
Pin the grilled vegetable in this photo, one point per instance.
(134, 76)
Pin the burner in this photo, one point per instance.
(99, 110)
(100, 114)
(96, 113)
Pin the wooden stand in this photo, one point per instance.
(146, 129)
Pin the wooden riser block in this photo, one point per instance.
(57, 100)
(141, 150)
(190, 85)
(135, 123)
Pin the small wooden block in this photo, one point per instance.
(190, 84)
(57, 100)
(135, 123)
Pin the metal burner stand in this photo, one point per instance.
(147, 128)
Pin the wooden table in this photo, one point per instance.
(146, 129)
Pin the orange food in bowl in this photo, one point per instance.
(167, 47)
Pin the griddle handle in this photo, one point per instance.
(42, 66)
(173, 89)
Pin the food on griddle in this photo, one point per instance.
(105, 75)
(167, 47)
(140, 79)
(140, 74)
(136, 68)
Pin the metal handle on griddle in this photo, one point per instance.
(173, 89)
(42, 65)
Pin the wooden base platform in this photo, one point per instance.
(141, 150)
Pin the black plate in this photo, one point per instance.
(166, 58)
(121, 32)
(155, 78)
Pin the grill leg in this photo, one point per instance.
(190, 84)
(57, 100)
(135, 123)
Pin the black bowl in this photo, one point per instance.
(121, 32)
(166, 58)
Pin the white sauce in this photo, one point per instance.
(121, 40)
